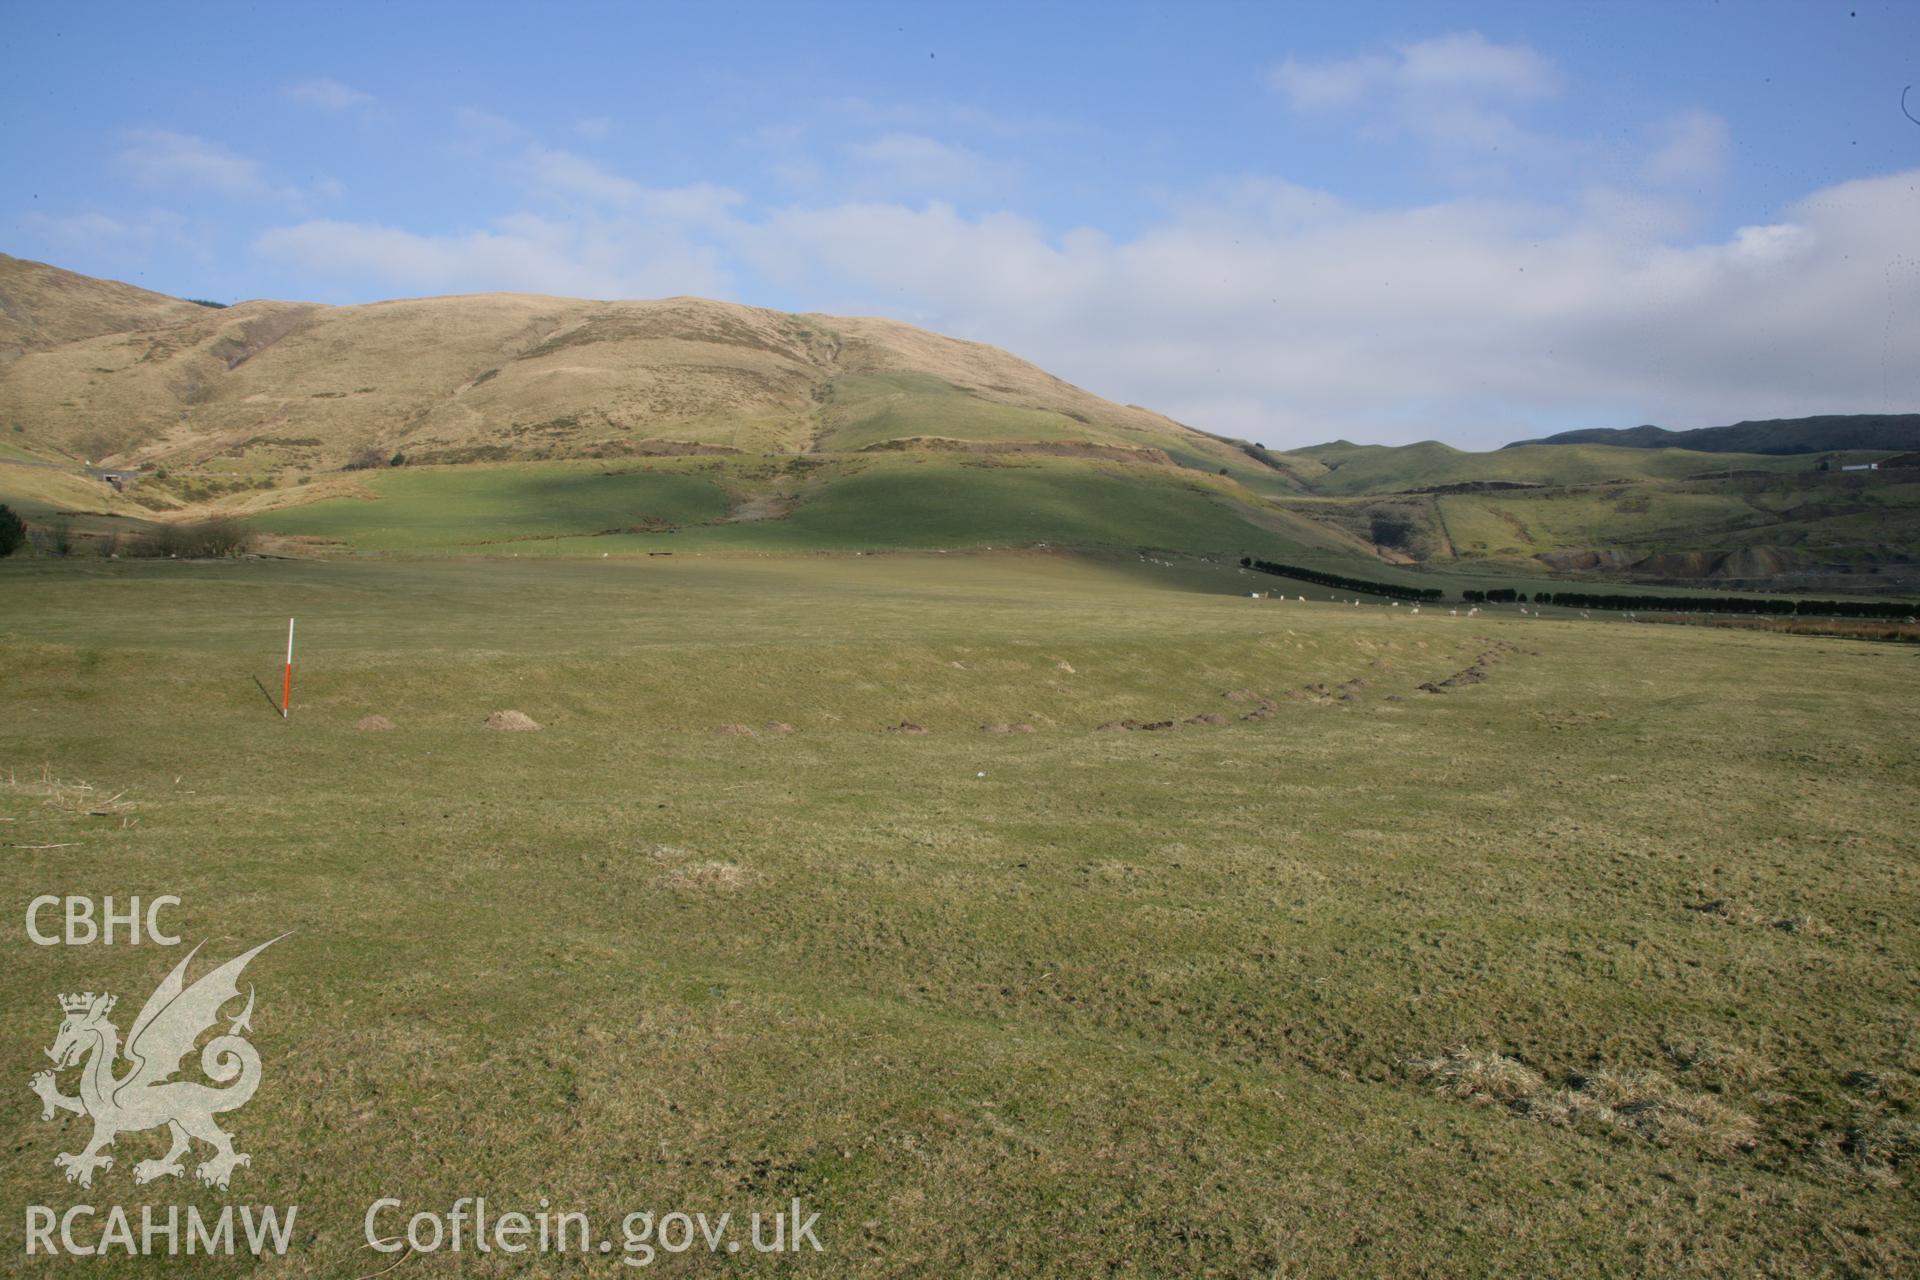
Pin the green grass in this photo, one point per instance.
(1811, 511)
(871, 408)
(881, 502)
(1374, 469)
(1047, 1004)
(438, 508)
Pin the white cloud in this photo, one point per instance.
(1468, 62)
(566, 176)
(161, 158)
(1265, 308)
(95, 232)
(524, 252)
(329, 95)
(480, 128)
(1464, 65)
(1690, 150)
(1337, 83)
(1459, 95)
(1286, 317)
(914, 162)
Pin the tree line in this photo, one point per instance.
(1724, 604)
(1341, 581)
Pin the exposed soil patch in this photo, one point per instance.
(374, 724)
(1734, 912)
(778, 726)
(737, 730)
(1021, 727)
(906, 726)
(512, 721)
(724, 876)
(1476, 673)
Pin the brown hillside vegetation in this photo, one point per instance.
(507, 376)
(43, 306)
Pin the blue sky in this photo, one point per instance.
(1385, 222)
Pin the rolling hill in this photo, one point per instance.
(513, 424)
(43, 307)
(1664, 515)
(1889, 431)
(108, 373)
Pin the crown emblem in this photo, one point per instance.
(82, 1002)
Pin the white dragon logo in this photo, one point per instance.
(173, 1018)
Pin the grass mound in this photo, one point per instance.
(1644, 1103)
(1477, 1076)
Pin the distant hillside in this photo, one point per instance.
(1891, 431)
(516, 424)
(1631, 514)
(113, 374)
(1352, 469)
(43, 307)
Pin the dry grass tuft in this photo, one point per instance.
(726, 876)
(1734, 912)
(1730, 1063)
(1883, 1146)
(1644, 1103)
(1660, 1111)
(79, 798)
(374, 724)
(512, 721)
(1483, 1078)
(1728, 910)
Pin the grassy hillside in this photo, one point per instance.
(1626, 514)
(287, 389)
(886, 501)
(1888, 432)
(43, 306)
(752, 430)
(1221, 999)
(1371, 469)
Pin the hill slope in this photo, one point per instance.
(535, 425)
(1380, 469)
(277, 385)
(43, 306)
(1890, 431)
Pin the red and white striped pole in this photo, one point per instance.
(286, 689)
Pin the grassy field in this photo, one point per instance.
(1053, 1003)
